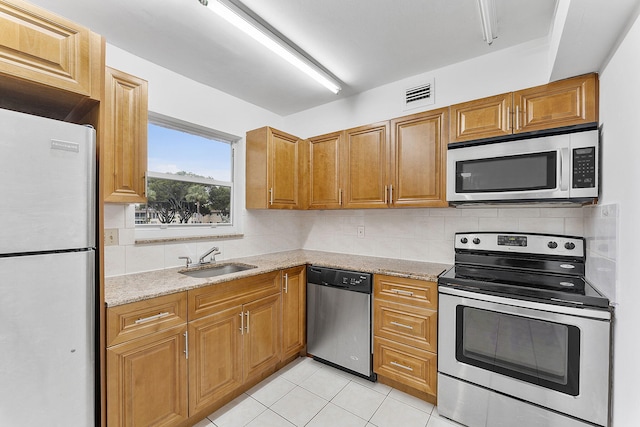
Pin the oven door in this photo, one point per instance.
(549, 355)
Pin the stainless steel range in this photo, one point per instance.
(524, 339)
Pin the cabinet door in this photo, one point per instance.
(215, 357)
(418, 159)
(148, 380)
(482, 118)
(41, 47)
(294, 299)
(124, 142)
(283, 170)
(272, 168)
(261, 341)
(365, 156)
(325, 190)
(563, 103)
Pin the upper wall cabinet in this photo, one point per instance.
(418, 160)
(325, 180)
(273, 168)
(563, 103)
(365, 156)
(123, 139)
(50, 66)
(400, 163)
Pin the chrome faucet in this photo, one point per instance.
(187, 259)
(213, 252)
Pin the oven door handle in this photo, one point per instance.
(511, 305)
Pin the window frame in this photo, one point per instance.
(150, 232)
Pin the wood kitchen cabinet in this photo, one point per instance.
(124, 138)
(405, 334)
(50, 66)
(294, 301)
(562, 103)
(146, 353)
(272, 169)
(400, 163)
(365, 157)
(418, 160)
(324, 175)
(234, 337)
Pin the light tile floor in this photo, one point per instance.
(308, 393)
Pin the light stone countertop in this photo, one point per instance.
(139, 286)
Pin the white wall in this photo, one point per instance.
(619, 112)
(511, 69)
(176, 96)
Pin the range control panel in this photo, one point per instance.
(546, 244)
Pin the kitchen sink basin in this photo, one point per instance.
(216, 270)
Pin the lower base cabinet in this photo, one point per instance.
(147, 352)
(215, 364)
(294, 311)
(405, 333)
(138, 369)
(163, 369)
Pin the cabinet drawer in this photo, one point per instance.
(407, 365)
(418, 293)
(405, 324)
(141, 318)
(214, 298)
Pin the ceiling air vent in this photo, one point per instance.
(419, 96)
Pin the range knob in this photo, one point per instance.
(552, 245)
(476, 240)
(569, 245)
(464, 240)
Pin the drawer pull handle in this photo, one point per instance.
(408, 368)
(241, 323)
(402, 325)
(401, 292)
(247, 327)
(148, 319)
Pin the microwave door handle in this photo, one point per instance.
(564, 169)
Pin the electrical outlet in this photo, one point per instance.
(361, 231)
(111, 237)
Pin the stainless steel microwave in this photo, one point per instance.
(553, 168)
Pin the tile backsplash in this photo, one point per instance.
(601, 231)
(412, 234)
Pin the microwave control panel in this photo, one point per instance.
(584, 167)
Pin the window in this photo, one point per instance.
(189, 181)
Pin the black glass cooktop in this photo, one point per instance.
(525, 284)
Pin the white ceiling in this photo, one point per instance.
(364, 43)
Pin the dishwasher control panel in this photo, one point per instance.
(344, 279)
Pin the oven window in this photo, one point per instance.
(524, 172)
(535, 351)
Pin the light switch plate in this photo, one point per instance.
(110, 236)
(361, 231)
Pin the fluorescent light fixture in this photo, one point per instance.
(489, 20)
(243, 21)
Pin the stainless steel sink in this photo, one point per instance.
(216, 270)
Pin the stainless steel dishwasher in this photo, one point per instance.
(339, 319)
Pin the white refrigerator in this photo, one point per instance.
(47, 272)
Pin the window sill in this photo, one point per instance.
(151, 241)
